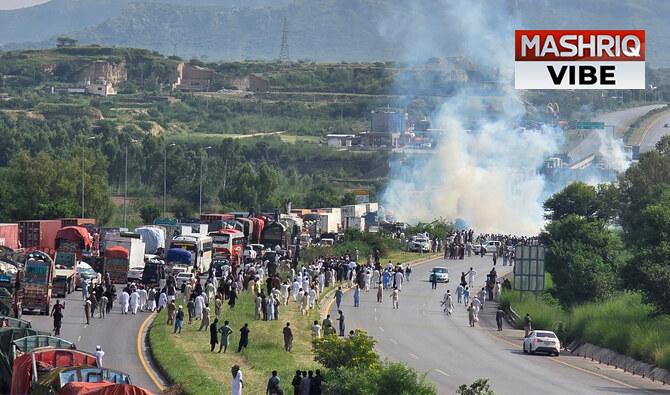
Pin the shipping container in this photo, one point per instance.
(39, 235)
(76, 221)
(9, 235)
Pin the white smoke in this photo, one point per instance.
(487, 176)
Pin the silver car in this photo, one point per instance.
(441, 274)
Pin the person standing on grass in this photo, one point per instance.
(213, 334)
(284, 292)
(288, 337)
(179, 319)
(295, 290)
(527, 324)
(296, 383)
(305, 384)
(316, 330)
(273, 385)
(304, 303)
(244, 337)
(341, 320)
(338, 296)
(225, 331)
(315, 387)
(237, 383)
(326, 325)
(205, 318)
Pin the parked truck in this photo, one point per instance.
(117, 264)
(71, 242)
(39, 235)
(135, 248)
(38, 283)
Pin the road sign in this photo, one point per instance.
(590, 125)
(362, 196)
(529, 268)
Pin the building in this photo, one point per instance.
(102, 88)
(191, 78)
(340, 140)
(252, 83)
(379, 139)
(388, 121)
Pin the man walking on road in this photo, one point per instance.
(98, 355)
(338, 296)
(527, 324)
(395, 294)
(87, 310)
(357, 296)
(459, 293)
(500, 314)
(448, 303)
(472, 275)
(341, 320)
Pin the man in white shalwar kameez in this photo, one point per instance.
(199, 305)
(134, 301)
(237, 383)
(124, 298)
(295, 289)
(144, 297)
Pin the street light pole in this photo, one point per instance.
(125, 188)
(82, 175)
(200, 206)
(165, 180)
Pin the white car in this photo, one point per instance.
(542, 341)
(183, 278)
(486, 247)
(417, 243)
(441, 274)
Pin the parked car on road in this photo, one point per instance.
(135, 274)
(542, 341)
(85, 273)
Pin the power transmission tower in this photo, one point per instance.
(283, 52)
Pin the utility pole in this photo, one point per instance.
(283, 51)
(125, 189)
(82, 173)
(200, 205)
(165, 180)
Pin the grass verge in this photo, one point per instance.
(187, 361)
(622, 323)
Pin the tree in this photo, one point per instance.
(182, 209)
(149, 212)
(352, 352)
(577, 198)
(584, 259)
(663, 145)
(479, 387)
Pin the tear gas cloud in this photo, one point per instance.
(486, 174)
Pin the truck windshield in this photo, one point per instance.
(37, 273)
(66, 259)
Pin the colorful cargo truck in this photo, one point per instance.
(38, 283)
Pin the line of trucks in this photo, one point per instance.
(41, 259)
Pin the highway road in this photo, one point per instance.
(451, 353)
(655, 132)
(117, 334)
(620, 119)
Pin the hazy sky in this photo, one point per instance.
(12, 4)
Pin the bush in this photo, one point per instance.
(352, 352)
(389, 378)
(479, 387)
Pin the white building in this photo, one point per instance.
(340, 140)
(101, 88)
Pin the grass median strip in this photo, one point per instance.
(187, 361)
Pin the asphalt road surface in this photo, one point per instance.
(655, 132)
(450, 352)
(621, 120)
(117, 334)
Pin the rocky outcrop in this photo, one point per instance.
(102, 70)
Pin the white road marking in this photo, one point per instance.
(376, 319)
(79, 338)
(394, 341)
(375, 309)
(413, 356)
(441, 372)
(381, 329)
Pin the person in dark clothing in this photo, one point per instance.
(433, 281)
(500, 314)
(463, 282)
(341, 320)
(213, 334)
(244, 337)
(305, 384)
(231, 299)
(315, 385)
(296, 383)
(273, 385)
